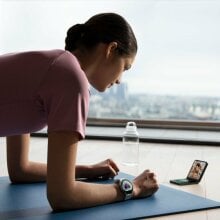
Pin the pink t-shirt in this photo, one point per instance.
(42, 88)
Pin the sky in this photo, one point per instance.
(178, 40)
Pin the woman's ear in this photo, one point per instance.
(111, 48)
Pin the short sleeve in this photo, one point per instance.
(65, 95)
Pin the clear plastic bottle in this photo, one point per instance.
(130, 145)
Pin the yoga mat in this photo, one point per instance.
(28, 201)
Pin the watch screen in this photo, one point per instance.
(126, 185)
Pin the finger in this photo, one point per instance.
(154, 179)
(151, 175)
(146, 171)
(112, 171)
(108, 172)
(155, 188)
(113, 165)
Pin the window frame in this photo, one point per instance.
(169, 124)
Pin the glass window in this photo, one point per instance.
(176, 72)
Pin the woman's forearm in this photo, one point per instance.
(82, 195)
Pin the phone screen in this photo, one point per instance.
(197, 170)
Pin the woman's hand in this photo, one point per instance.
(145, 184)
(104, 170)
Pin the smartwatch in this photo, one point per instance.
(126, 187)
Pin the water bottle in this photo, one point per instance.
(130, 145)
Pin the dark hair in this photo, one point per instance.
(102, 28)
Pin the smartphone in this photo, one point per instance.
(195, 174)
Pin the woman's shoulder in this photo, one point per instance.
(31, 57)
(67, 62)
(53, 52)
(44, 54)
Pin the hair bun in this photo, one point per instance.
(76, 29)
(74, 35)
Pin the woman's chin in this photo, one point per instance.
(101, 89)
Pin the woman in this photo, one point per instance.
(50, 88)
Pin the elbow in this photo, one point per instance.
(62, 200)
(20, 174)
(57, 203)
(16, 176)
(14, 179)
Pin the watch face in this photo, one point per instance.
(127, 186)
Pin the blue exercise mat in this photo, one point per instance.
(28, 201)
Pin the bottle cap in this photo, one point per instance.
(131, 128)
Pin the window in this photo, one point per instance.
(176, 72)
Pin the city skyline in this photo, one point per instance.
(119, 103)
